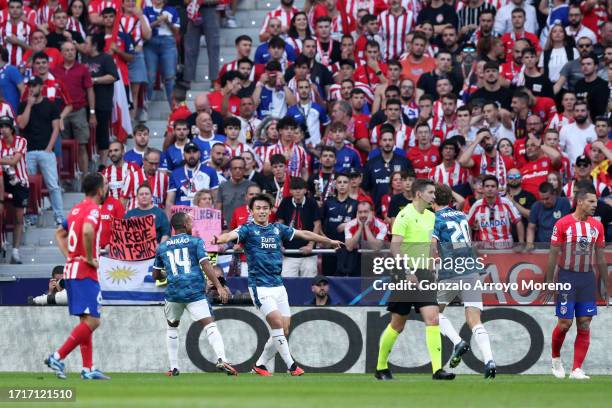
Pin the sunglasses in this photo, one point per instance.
(514, 177)
(585, 45)
(584, 165)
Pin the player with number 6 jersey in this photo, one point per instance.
(78, 239)
(181, 260)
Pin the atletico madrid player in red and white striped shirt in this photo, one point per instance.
(149, 174)
(493, 216)
(118, 171)
(577, 244)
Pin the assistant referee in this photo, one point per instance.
(412, 231)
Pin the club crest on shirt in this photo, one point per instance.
(557, 214)
(276, 231)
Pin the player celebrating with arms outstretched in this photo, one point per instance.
(575, 239)
(451, 240)
(262, 244)
(78, 239)
(181, 260)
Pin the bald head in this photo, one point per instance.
(201, 102)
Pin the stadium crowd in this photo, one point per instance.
(335, 113)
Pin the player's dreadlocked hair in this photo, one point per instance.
(178, 221)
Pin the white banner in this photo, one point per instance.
(128, 282)
(334, 339)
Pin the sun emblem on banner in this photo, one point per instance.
(120, 274)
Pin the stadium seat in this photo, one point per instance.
(9, 214)
(36, 193)
(68, 168)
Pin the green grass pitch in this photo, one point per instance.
(217, 390)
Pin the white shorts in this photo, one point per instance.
(299, 267)
(197, 310)
(267, 300)
(469, 297)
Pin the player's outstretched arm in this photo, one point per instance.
(225, 238)
(61, 236)
(311, 236)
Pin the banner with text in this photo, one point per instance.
(133, 239)
(206, 223)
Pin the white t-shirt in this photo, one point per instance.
(558, 58)
(573, 140)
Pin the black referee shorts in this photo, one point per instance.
(402, 302)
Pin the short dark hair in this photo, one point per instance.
(232, 121)
(491, 65)
(261, 197)
(444, 194)
(393, 102)
(245, 60)
(276, 42)
(286, 122)
(302, 60)
(420, 185)
(529, 50)
(40, 55)
(277, 159)
(386, 128)
(372, 43)
(323, 19)
(180, 122)
(98, 41)
(367, 18)
(297, 183)
(243, 37)
(179, 93)
(546, 187)
(144, 185)
(583, 188)
(237, 158)
(178, 221)
(328, 149)
(141, 127)
(91, 184)
(58, 269)
(109, 10)
(519, 10)
(592, 56)
(490, 177)
(228, 77)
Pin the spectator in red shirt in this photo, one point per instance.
(77, 82)
(226, 100)
(373, 72)
(111, 207)
(180, 110)
(365, 231)
(424, 156)
(540, 159)
(241, 216)
(518, 32)
(38, 42)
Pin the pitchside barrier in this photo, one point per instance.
(333, 339)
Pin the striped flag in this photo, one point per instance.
(121, 122)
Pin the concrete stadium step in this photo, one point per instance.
(71, 199)
(36, 236)
(33, 270)
(36, 255)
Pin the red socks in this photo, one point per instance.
(558, 336)
(87, 352)
(79, 335)
(581, 346)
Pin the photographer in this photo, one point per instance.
(56, 295)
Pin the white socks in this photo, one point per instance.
(215, 340)
(447, 329)
(172, 343)
(282, 346)
(482, 339)
(268, 353)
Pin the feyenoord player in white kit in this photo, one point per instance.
(78, 239)
(577, 244)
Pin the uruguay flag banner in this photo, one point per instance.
(128, 282)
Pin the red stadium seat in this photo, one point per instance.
(68, 167)
(9, 214)
(36, 193)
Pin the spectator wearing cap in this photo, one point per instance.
(582, 173)
(300, 212)
(187, 180)
(13, 151)
(232, 192)
(336, 213)
(272, 95)
(160, 50)
(377, 171)
(491, 89)
(320, 289)
(79, 86)
(544, 214)
(145, 206)
(11, 82)
(346, 155)
(592, 88)
(39, 121)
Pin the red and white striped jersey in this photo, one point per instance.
(568, 189)
(96, 6)
(263, 151)
(87, 211)
(394, 30)
(283, 15)
(413, 6)
(19, 145)
(494, 223)
(297, 158)
(577, 240)
(158, 183)
(44, 15)
(335, 94)
(6, 110)
(236, 151)
(377, 227)
(52, 89)
(558, 121)
(75, 25)
(20, 30)
(116, 176)
(131, 25)
(29, 13)
(404, 137)
(452, 176)
(353, 6)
